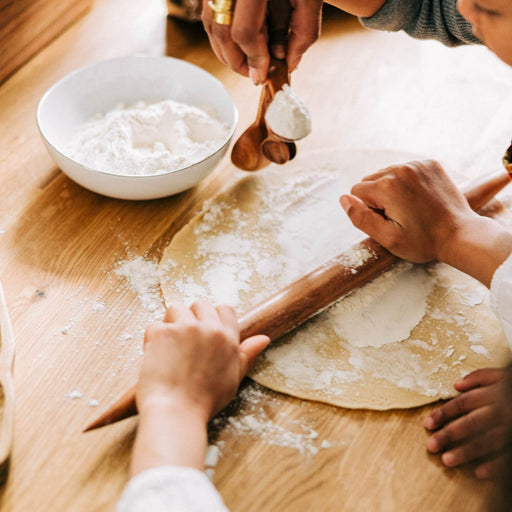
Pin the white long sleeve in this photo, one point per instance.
(501, 296)
(170, 489)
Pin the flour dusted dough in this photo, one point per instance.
(269, 228)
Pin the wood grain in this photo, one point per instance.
(60, 244)
(26, 26)
(7, 345)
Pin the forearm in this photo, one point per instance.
(478, 248)
(422, 19)
(169, 434)
(364, 9)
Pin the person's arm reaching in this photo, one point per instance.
(417, 213)
(358, 8)
(283, 28)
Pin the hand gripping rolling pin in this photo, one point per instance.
(306, 297)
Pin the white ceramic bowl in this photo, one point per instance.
(101, 87)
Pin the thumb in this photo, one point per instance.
(365, 218)
(249, 350)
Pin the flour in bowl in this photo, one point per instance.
(147, 138)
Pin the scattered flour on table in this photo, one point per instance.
(250, 415)
(253, 419)
(147, 138)
(98, 306)
(142, 278)
(78, 395)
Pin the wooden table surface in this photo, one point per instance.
(79, 328)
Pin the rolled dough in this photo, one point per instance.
(400, 341)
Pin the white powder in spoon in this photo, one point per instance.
(147, 138)
(287, 116)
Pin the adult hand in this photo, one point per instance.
(195, 357)
(283, 28)
(411, 209)
(473, 426)
(416, 212)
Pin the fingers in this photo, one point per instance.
(204, 311)
(459, 406)
(249, 32)
(215, 317)
(178, 312)
(250, 349)
(208, 26)
(287, 27)
(229, 321)
(229, 51)
(372, 222)
(480, 378)
(305, 27)
(491, 467)
(278, 21)
(471, 424)
(488, 443)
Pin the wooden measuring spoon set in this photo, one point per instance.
(258, 146)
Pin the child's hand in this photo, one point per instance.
(473, 425)
(195, 358)
(412, 210)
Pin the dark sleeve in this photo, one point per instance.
(424, 19)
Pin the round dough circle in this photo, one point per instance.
(270, 228)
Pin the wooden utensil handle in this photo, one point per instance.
(306, 297)
(278, 75)
(265, 100)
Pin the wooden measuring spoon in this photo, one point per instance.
(278, 151)
(275, 148)
(247, 153)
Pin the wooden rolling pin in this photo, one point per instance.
(303, 299)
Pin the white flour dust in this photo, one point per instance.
(253, 418)
(142, 278)
(288, 116)
(147, 138)
(243, 255)
(386, 310)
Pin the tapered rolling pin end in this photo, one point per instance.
(124, 407)
(480, 194)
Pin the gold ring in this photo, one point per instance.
(222, 11)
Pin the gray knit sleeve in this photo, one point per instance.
(424, 19)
